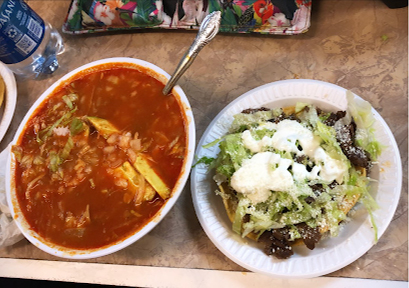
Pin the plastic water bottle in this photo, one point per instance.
(28, 44)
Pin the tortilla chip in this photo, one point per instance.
(2, 90)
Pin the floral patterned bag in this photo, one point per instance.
(238, 16)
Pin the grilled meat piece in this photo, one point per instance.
(252, 111)
(284, 116)
(277, 243)
(310, 236)
(334, 117)
(345, 137)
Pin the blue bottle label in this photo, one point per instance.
(21, 31)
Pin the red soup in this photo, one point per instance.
(98, 159)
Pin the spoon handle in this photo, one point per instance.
(208, 29)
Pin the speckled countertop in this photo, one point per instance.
(359, 45)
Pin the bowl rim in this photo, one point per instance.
(70, 253)
(10, 99)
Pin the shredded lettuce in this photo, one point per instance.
(205, 160)
(331, 146)
(286, 209)
(76, 126)
(232, 154)
(18, 152)
(361, 186)
(213, 143)
(333, 217)
(47, 132)
(300, 106)
(361, 112)
(238, 217)
(245, 121)
(67, 148)
(258, 134)
(310, 116)
(54, 161)
(69, 99)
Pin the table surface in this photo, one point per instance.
(359, 45)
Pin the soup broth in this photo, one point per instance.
(100, 157)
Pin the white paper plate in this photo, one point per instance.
(354, 239)
(10, 99)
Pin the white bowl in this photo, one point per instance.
(331, 254)
(64, 252)
(10, 99)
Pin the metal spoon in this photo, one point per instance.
(208, 29)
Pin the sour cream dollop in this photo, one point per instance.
(267, 171)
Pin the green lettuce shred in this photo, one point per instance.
(286, 209)
(54, 161)
(361, 112)
(67, 148)
(76, 126)
(204, 160)
(47, 132)
(69, 99)
(299, 106)
(232, 153)
(331, 146)
(243, 121)
(238, 217)
(213, 143)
